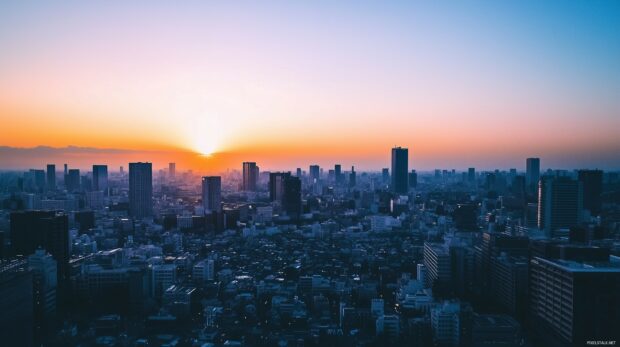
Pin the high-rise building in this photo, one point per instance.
(291, 200)
(385, 175)
(140, 189)
(532, 174)
(437, 264)
(338, 173)
(592, 181)
(212, 194)
(276, 185)
(45, 282)
(250, 176)
(560, 203)
(451, 324)
(314, 172)
(298, 172)
(48, 230)
(575, 302)
(413, 179)
(352, 177)
(100, 178)
(471, 175)
(39, 179)
(16, 304)
(400, 167)
(72, 180)
(172, 170)
(51, 177)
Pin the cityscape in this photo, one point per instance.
(204, 174)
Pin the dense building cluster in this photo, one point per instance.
(316, 258)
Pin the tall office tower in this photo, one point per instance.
(532, 174)
(298, 172)
(314, 172)
(49, 230)
(338, 173)
(100, 178)
(560, 203)
(291, 199)
(250, 176)
(72, 180)
(352, 177)
(172, 170)
(592, 181)
(45, 281)
(16, 304)
(140, 189)
(413, 179)
(400, 167)
(39, 179)
(437, 264)
(212, 194)
(276, 185)
(51, 177)
(66, 172)
(471, 175)
(385, 175)
(575, 302)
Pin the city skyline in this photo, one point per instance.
(457, 85)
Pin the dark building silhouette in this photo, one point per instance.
(140, 190)
(291, 200)
(39, 179)
(532, 174)
(560, 201)
(250, 176)
(400, 167)
(314, 172)
(51, 177)
(385, 175)
(575, 302)
(48, 230)
(464, 217)
(16, 304)
(100, 177)
(276, 185)
(352, 177)
(413, 179)
(72, 180)
(212, 194)
(471, 175)
(592, 182)
(338, 173)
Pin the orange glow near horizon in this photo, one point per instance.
(192, 84)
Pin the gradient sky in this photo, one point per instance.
(462, 83)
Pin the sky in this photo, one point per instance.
(290, 83)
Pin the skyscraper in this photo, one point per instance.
(100, 178)
(471, 175)
(560, 201)
(338, 173)
(72, 180)
(140, 189)
(314, 172)
(51, 177)
(291, 199)
(413, 179)
(592, 181)
(400, 167)
(42, 229)
(352, 177)
(172, 170)
(532, 174)
(250, 176)
(276, 185)
(45, 282)
(212, 194)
